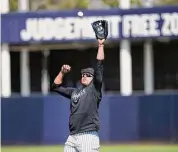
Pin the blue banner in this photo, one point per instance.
(65, 26)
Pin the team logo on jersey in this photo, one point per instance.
(77, 96)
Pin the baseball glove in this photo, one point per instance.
(100, 28)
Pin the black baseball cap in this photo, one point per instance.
(88, 70)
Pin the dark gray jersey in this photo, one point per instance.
(84, 103)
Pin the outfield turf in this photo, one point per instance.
(104, 148)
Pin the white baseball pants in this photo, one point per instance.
(83, 142)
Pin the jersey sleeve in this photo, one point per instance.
(64, 91)
(98, 76)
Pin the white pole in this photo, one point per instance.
(24, 72)
(148, 60)
(148, 68)
(125, 60)
(45, 76)
(5, 60)
(23, 6)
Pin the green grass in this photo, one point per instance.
(104, 148)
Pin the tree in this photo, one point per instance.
(13, 5)
(51, 4)
(111, 3)
(80, 4)
(114, 3)
(73, 4)
(58, 4)
(167, 2)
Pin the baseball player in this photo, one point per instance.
(85, 100)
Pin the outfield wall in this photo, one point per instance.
(44, 120)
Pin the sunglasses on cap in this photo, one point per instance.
(87, 75)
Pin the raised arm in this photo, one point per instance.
(57, 84)
(98, 77)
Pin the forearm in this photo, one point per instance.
(99, 68)
(59, 78)
(100, 54)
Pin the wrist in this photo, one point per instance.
(100, 45)
(61, 72)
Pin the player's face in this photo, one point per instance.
(86, 79)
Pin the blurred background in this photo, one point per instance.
(139, 111)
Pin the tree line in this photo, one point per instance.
(79, 4)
